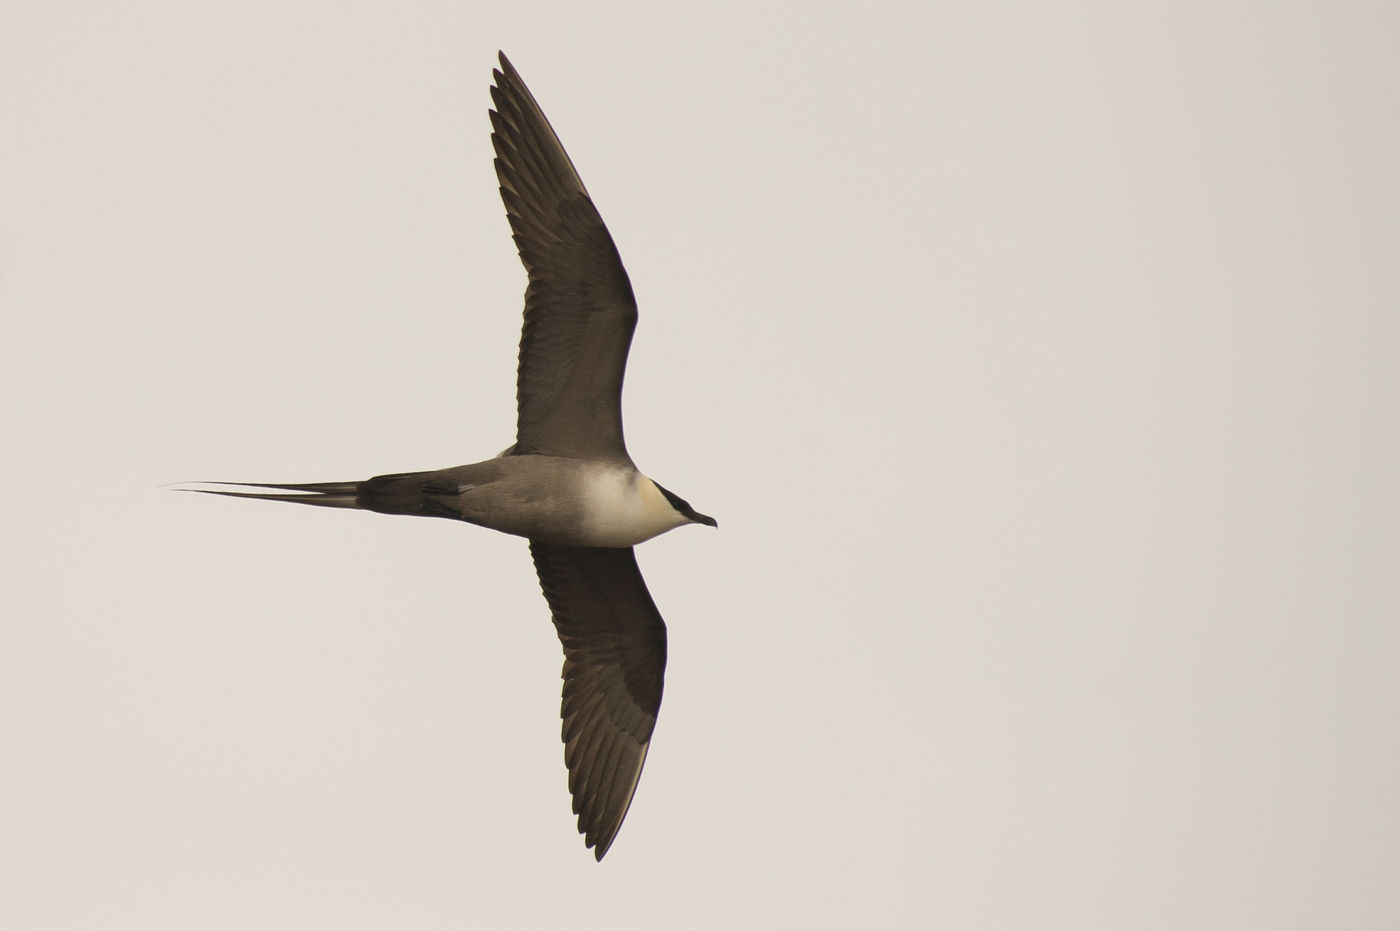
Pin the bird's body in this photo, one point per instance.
(552, 499)
(567, 484)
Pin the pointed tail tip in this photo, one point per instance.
(320, 494)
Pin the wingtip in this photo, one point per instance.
(601, 845)
(506, 73)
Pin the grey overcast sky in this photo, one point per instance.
(1038, 360)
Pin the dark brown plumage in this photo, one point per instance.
(614, 660)
(579, 308)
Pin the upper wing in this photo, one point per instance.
(579, 309)
(614, 661)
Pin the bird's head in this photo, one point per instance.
(684, 509)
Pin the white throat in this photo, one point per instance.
(622, 507)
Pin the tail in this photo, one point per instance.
(321, 494)
(414, 493)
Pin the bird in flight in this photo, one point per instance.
(567, 483)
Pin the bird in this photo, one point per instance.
(567, 483)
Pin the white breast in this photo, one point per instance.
(622, 507)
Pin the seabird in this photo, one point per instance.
(567, 483)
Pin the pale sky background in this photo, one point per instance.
(1038, 360)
